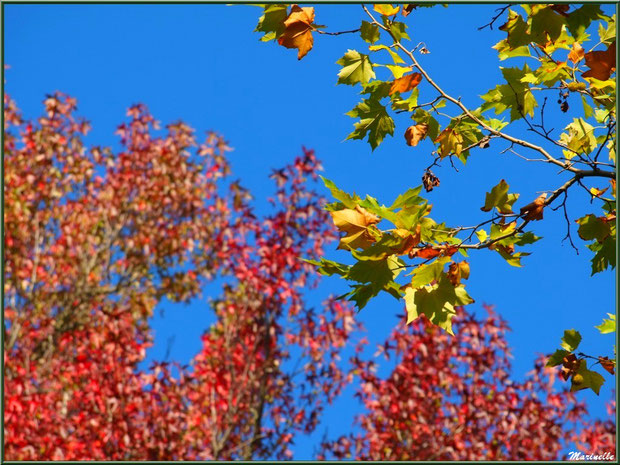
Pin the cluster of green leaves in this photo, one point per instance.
(391, 79)
(414, 241)
(575, 366)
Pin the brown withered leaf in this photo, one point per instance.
(429, 180)
(458, 271)
(432, 252)
(570, 365)
(607, 364)
(354, 223)
(408, 8)
(601, 63)
(414, 134)
(577, 53)
(405, 83)
(298, 30)
(534, 211)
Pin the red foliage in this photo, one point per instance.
(450, 398)
(94, 240)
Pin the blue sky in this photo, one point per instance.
(204, 65)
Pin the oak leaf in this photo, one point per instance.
(414, 134)
(298, 30)
(601, 63)
(405, 83)
(534, 211)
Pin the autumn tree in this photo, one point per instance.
(452, 398)
(96, 239)
(563, 50)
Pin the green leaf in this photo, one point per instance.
(410, 197)
(608, 325)
(571, 340)
(398, 30)
(579, 138)
(374, 122)
(395, 57)
(515, 95)
(329, 267)
(426, 274)
(377, 89)
(590, 379)
(375, 272)
(608, 34)
(605, 254)
(527, 238)
(587, 109)
(557, 358)
(369, 32)
(546, 25)
(356, 67)
(500, 199)
(348, 201)
(592, 227)
(272, 22)
(578, 20)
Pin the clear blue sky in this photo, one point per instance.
(203, 64)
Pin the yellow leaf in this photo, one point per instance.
(354, 223)
(387, 10)
(298, 30)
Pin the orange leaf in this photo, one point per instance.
(458, 271)
(577, 53)
(607, 364)
(601, 63)
(534, 211)
(432, 252)
(414, 134)
(298, 30)
(405, 83)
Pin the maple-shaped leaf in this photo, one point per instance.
(414, 134)
(577, 53)
(369, 32)
(557, 358)
(601, 63)
(571, 340)
(356, 67)
(534, 211)
(437, 302)
(585, 378)
(374, 122)
(579, 138)
(608, 325)
(593, 228)
(515, 95)
(298, 30)
(272, 22)
(450, 142)
(354, 223)
(500, 199)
